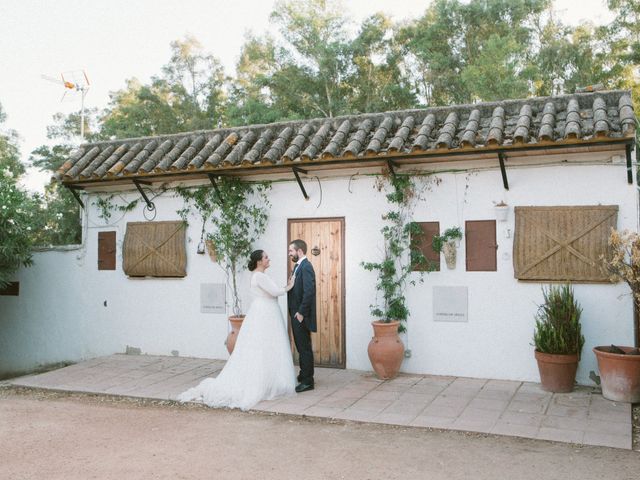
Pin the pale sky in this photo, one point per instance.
(118, 39)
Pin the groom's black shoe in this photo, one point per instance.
(303, 387)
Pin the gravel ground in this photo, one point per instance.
(61, 435)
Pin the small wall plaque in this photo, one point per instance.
(450, 304)
(212, 298)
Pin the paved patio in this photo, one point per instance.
(500, 407)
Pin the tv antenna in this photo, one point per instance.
(75, 83)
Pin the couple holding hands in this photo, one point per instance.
(261, 367)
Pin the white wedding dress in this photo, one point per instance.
(261, 365)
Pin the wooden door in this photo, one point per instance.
(325, 242)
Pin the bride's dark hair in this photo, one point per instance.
(255, 257)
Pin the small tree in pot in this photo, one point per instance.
(558, 339)
(400, 254)
(238, 212)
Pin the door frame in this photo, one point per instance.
(291, 221)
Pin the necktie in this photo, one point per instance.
(295, 267)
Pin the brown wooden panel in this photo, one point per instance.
(424, 243)
(155, 249)
(325, 241)
(107, 250)
(481, 245)
(562, 243)
(13, 289)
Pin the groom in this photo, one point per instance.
(301, 302)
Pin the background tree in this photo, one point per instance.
(16, 209)
(188, 95)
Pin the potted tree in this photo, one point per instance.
(619, 366)
(558, 339)
(386, 350)
(238, 212)
(447, 243)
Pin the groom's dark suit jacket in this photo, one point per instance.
(302, 297)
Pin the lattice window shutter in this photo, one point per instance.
(155, 249)
(562, 243)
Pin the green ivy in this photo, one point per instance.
(106, 205)
(238, 217)
(401, 253)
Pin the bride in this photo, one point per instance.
(260, 367)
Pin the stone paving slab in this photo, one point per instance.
(520, 409)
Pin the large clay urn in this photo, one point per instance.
(619, 374)
(236, 323)
(386, 350)
(557, 372)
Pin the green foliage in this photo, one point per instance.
(237, 222)
(187, 96)
(106, 206)
(400, 249)
(57, 219)
(476, 50)
(453, 233)
(557, 329)
(16, 227)
(9, 151)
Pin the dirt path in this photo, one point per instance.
(71, 436)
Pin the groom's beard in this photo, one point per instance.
(295, 258)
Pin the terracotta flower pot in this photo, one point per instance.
(619, 374)
(386, 350)
(557, 372)
(236, 323)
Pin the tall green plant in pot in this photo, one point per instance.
(558, 338)
(238, 214)
(400, 253)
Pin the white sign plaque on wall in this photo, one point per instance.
(450, 304)
(212, 298)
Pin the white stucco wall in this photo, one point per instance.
(61, 315)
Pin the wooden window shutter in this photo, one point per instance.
(155, 249)
(481, 245)
(107, 250)
(562, 243)
(424, 243)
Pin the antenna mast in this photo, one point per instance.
(75, 82)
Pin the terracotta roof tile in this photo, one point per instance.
(421, 141)
(571, 119)
(190, 152)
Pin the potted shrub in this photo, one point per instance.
(619, 366)
(558, 339)
(238, 215)
(386, 350)
(447, 243)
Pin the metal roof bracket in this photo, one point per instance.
(138, 184)
(212, 179)
(75, 194)
(502, 157)
(296, 172)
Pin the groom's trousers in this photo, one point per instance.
(302, 339)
